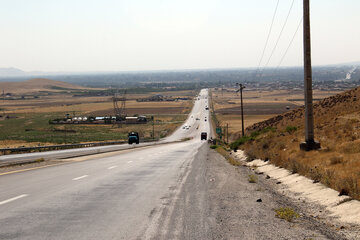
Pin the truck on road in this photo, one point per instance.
(133, 137)
(204, 136)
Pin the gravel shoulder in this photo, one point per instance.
(216, 201)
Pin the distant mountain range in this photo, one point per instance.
(8, 72)
(15, 72)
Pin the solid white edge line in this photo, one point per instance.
(78, 178)
(13, 199)
(112, 167)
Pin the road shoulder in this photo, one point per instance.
(217, 201)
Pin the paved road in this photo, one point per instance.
(116, 197)
(179, 190)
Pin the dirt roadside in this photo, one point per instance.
(218, 202)
(233, 201)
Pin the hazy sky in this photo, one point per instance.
(122, 35)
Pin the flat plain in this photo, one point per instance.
(259, 105)
(25, 116)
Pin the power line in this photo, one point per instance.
(278, 39)
(292, 40)
(268, 36)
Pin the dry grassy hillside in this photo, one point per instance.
(36, 85)
(337, 128)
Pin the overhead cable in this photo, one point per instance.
(278, 39)
(292, 40)
(268, 36)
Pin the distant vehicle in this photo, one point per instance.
(197, 118)
(205, 120)
(206, 108)
(133, 137)
(204, 136)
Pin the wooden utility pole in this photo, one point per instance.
(227, 133)
(153, 128)
(241, 87)
(309, 143)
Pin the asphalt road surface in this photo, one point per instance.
(179, 190)
(104, 198)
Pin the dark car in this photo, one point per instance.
(133, 137)
(204, 136)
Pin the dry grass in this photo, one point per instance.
(264, 105)
(337, 127)
(227, 156)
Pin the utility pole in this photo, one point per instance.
(153, 130)
(227, 133)
(309, 143)
(241, 87)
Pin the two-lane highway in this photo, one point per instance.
(122, 196)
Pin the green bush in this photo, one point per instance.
(286, 213)
(240, 141)
(214, 146)
(290, 129)
(252, 178)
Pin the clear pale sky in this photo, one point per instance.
(123, 35)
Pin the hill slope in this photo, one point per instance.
(36, 85)
(337, 128)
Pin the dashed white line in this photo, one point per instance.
(112, 167)
(130, 161)
(13, 199)
(78, 178)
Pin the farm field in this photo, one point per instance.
(28, 124)
(259, 105)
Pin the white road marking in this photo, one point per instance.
(13, 199)
(130, 161)
(112, 167)
(78, 178)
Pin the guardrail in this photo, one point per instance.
(7, 151)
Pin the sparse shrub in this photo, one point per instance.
(240, 141)
(290, 129)
(255, 134)
(349, 186)
(40, 160)
(250, 156)
(214, 146)
(252, 178)
(286, 213)
(351, 147)
(294, 166)
(336, 160)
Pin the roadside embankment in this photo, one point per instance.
(323, 203)
(337, 128)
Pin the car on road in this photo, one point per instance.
(206, 108)
(204, 136)
(133, 137)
